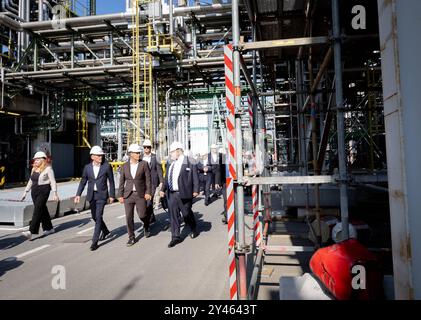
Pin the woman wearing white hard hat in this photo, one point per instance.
(41, 182)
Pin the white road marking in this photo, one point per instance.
(20, 256)
(121, 217)
(85, 230)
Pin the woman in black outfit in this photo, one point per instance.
(42, 181)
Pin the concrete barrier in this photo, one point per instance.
(19, 213)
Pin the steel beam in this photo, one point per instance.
(283, 43)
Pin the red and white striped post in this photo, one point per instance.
(257, 226)
(231, 163)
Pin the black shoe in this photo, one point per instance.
(147, 233)
(131, 242)
(104, 235)
(224, 220)
(94, 246)
(174, 243)
(206, 202)
(194, 234)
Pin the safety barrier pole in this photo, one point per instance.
(257, 226)
(231, 170)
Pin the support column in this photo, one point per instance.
(340, 118)
(398, 24)
(239, 208)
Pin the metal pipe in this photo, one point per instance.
(111, 49)
(239, 208)
(171, 17)
(314, 143)
(42, 104)
(252, 290)
(72, 52)
(79, 21)
(340, 118)
(185, 11)
(40, 10)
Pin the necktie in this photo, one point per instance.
(170, 184)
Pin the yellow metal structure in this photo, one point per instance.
(142, 79)
(82, 123)
(116, 165)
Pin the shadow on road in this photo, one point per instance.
(9, 264)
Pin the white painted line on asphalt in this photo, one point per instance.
(20, 256)
(121, 217)
(85, 230)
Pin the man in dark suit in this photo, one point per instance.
(220, 179)
(156, 174)
(134, 190)
(96, 175)
(209, 166)
(181, 186)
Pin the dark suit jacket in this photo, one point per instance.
(105, 173)
(156, 172)
(220, 175)
(188, 180)
(142, 180)
(211, 165)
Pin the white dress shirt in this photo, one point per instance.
(96, 172)
(133, 170)
(147, 159)
(176, 172)
(214, 157)
(205, 164)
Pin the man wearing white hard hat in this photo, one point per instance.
(41, 182)
(181, 186)
(156, 174)
(96, 174)
(135, 190)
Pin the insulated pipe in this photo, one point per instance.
(340, 119)
(185, 11)
(171, 17)
(78, 21)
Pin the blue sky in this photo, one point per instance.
(110, 6)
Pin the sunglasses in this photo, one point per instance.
(147, 147)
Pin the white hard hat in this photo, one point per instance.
(40, 154)
(96, 150)
(134, 147)
(214, 146)
(175, 145)
(147, 143)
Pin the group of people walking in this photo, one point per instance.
(140, 178)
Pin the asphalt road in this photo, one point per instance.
(61, 265)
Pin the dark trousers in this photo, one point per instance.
(129, 203)
(202, 182)
(208, 184)
(175, 206)
(40, 196)
(97, 211)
